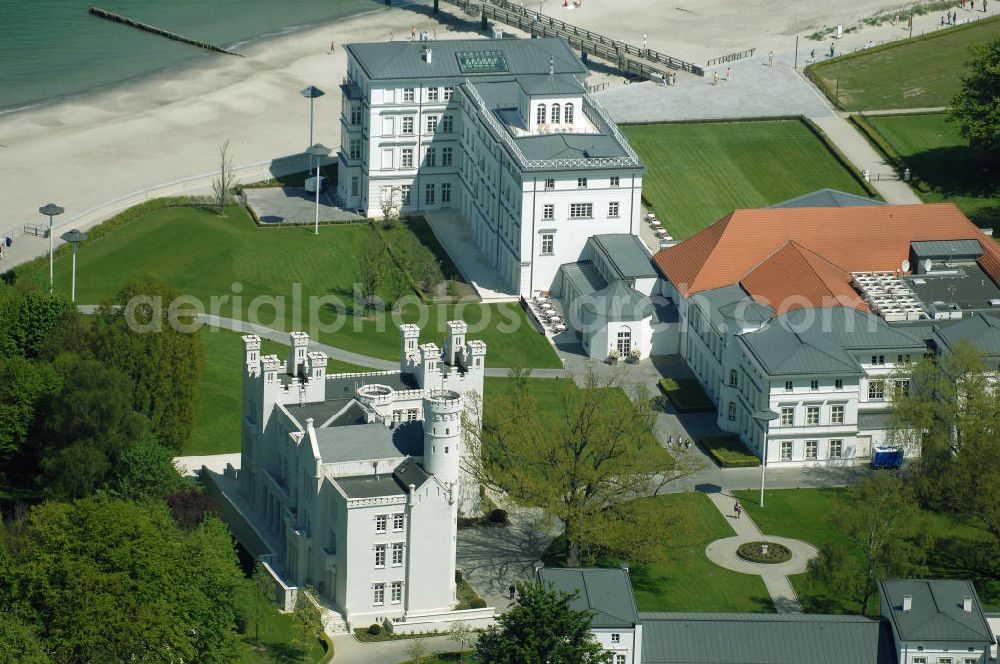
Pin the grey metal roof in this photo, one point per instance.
(360, 442)
(619, 301)
(584, 277)
(606, 592)
(936, 612)
(946, 248)
(980, 330)
(819, 341)
(555, 84)
(569, 146)
(827, 198)
(764, 638)
(968, 286)
(731, 306)
(395, 483)
(627, 253)
(401, 60)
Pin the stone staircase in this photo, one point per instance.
(332, 619)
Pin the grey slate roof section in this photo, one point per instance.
(395, 483)
(820, 341)
(358, 442)
(545, 84)
(731, 306)
(873, 421)
(606, 592)
(619, 301)
(982, 331)
(401, 60)
(827, 198)
(628, 254)
(584, 277)
(569, 146)
(936, 613)
(947, 248)
(762, 638)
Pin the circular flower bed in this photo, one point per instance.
(764, 552)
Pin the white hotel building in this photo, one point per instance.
(501, 132)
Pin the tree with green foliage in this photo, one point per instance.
(27, 318)
(306, 619)
(466, 637)
(145, 469)
(371, 268)
(949, 414)
(23, 383)
(19, 641)
(879, 517)
(542, 628)
(152, 344)
(592, 468)
(106, 580)
(976, 108)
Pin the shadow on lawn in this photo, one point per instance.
(956, 171)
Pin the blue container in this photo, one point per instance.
(887, 457)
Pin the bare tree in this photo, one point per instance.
(223, 182)
(389, 203)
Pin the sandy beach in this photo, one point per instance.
(84, 151)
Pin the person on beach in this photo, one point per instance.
(413, 33)
(729, 73)
(715, 78)
(333, 45)
(770, 58)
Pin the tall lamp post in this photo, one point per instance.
(51, 210)
(312, 93)
(765, 417)
(74, 237)
(319, 151)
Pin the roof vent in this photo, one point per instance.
(967, 604)
(428, 55)
(907, 602)
(552, 66)
(987, 231)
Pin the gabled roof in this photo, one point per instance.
(794, 277)
(619, 301)
(606, 592)
(936, 612)
(404, 59)
(854, 239)
(764, 638)
(369, 442)
(982, 331)
(821, 341)
(827, 198)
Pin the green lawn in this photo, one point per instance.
(920, 73)
(217, 429)
(941, 160)
(699, 172)
(689, 581)
(274, 275)
(276, 646)
(959, 550)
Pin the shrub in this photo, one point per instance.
(458, 576)
(478, 603)
(729, 452)
(498, 516)
(686, 395)
(753, 552)
(375, 629)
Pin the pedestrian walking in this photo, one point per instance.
(812, 55)
(729, 73)
(984, 6)
(737, 509)
(413, 33)
(510, 591)
(770, 58)
(832, 51)
(715, 78)
(333, 47)
(8, 241)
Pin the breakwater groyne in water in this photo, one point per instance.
(124, 20)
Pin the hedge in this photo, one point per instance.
(686, 395)
(729, 452)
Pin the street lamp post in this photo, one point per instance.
(74, 237)
(51, 210)
(764, 417)
(312, 93)
(319, 151)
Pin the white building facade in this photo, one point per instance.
(501, 132)
(357, 476)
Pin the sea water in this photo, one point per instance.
(54, 48)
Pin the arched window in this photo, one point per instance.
(540, 118)
(568, 114)
(555, 113)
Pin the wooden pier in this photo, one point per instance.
(642, 62)
(124, 20)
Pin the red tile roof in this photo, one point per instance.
(829, 242)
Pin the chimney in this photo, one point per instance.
(412, 491)
(907, 602)
(967, 604)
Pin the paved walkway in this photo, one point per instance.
(295, 205)
(452, 232)
(191, 465)
(348, 650)
(723, 553)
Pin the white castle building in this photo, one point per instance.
(357, 477)
(502, 133)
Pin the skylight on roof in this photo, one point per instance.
(481, 62)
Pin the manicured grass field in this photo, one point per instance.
(698, 173)
(947, 169)
(277, 276)
(689, 581)
(217, 429)
(959, 550)
(918, 73)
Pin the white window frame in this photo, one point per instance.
(447, 124)
(615, 181)
(837, 413)
(449, 91)
(380, 556)
(397, 553)
(381, 523)
(549, 241)
(811, 450)
(813, 416)
(406, 158)
(432, 94)
(396, 592)
(550, 184)
(407, 126)
(408, 95)
(447, 156)
(814, 385)
(568, 113)
(731, 414)
(789, 386)
(613, 209)
(430, 193)
(785, 445)
(446, 192)
(836, 449)
(581, 210)
(581, 183)
(378, 594)
(876, 390)
(432, 123)
(399, 518)
(788, 421)
(548, 211)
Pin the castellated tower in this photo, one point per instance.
(443, 434)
